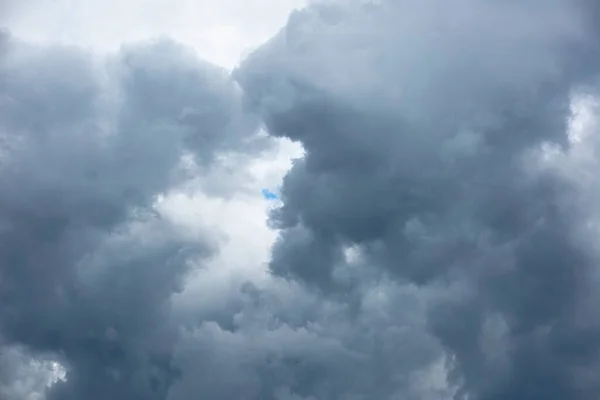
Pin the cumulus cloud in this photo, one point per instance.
(87, 263)
(434, 241)
(25, 377)
(420, 121)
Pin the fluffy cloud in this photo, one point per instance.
(434, 241)
(87, 263)
(420, 121)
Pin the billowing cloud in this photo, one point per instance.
(87, 266)
(421, 123)
(435, 240)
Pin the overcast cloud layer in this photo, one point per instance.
(219, 29)
(436, 241)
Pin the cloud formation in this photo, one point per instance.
(87, 265)
(434, 240)
(220, 30)
(421, 122)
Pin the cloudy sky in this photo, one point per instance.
(435, 235)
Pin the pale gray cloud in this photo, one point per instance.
(220, 30)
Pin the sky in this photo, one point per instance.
(220, 30)
(433, 234)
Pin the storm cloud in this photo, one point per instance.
(435, 241)
(423, 124)
(87, 264)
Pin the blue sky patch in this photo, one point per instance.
(267, 194)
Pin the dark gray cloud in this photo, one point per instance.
(426, 250)
(419, 121)
(87, 267)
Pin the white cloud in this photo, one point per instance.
(241, 218)
(220, 30)
(27, 377)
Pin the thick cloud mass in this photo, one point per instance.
(86, 266)
(436, 241)
(420, 120)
